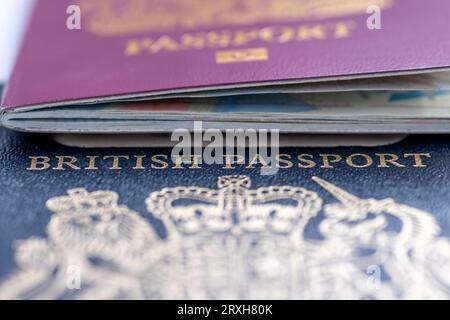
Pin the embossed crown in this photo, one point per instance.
(234, 207)
(234, 181)
(80, 200)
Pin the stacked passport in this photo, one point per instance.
(334, 222)
(294, 65)
(367, 218)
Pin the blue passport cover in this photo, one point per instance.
(349, 222)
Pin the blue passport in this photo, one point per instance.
(127, 223)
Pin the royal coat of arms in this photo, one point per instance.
(234, 242)
(122, 17)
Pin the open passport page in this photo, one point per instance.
(136, 66)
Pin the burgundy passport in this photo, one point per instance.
(140, 48)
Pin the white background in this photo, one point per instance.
(13, 20)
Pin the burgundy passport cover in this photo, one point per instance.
(128, 48)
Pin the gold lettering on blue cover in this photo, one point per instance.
(303, 161)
